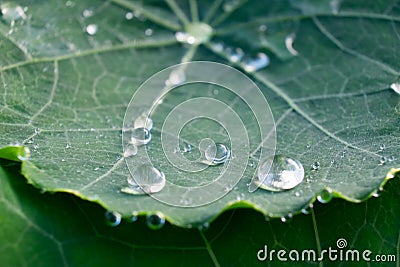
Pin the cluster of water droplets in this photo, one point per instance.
(154, 221)
(11, 12)
(195, 34)
(238, 56)
(145, 178)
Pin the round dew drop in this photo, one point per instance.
(143, 121)
(112, 218)
(279, 173)
(325, 196)
(155, 221)
(91, 29)
(217, 154)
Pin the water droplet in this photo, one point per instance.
(289, 44)
(146, 179)
(262, 28)
(36, 146)
(196, 33)
(396, 87)
(279, 173)
(130, 150)
(217, 154)
(129, 15)
(69, 4)
(283, 219)
(234, 55)
(155, 221)
(11, 12)
(87, 13)
(255, 64)
(143, 121)
(186, 148)
(230, 5)
(307, 209)
(325, 196)
(217, 46)
(382, 160)
(140, 136)
(382, 147)
(308, 146)
(297, 194)
(391, 159)
(335, 5)
(205, 226)
(133, 217)
(316, 165)
(176, 77)
(68, 145)
(375, 194)
(148, 32)
(112, 218)
(91, 29)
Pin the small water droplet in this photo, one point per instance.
(36, 146)
(325, 196)
(283, 219)
(335, 6)
(133, 217)
(140, 136)
(130, 150)
(234, 55)
(176, 77)
(307, 209)
(112, 218)
(143, 121)
(68, 145)
(382, 160)
(217, 46)
(129, 15)
(279, 173)
(155, 221)
(30, 141)
(230, 5)
(97, 168)
(316, 165)
(148, 32)
(308, 146)
(217, 154)
(391, 158)
(205, 226)
(255, 64)
(395, 87)
(297, 194)
(186, 148)
(196, 33)
(375, 194)
(382, 147)
(183, 37)
(91, 29)
(146, 179)
(69, 4)
(289, 44)
(262, 28)
(87, 13)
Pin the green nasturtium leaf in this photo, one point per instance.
(68, 70)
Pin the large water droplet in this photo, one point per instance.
(255, 64)
(216, 154)
(11, 12)
(396, 87)
(155, 221)
(91, 29)
(143, 121)
(112, 218)
(145, 179)
(325, 196)
(140, 136)
(279, 173)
